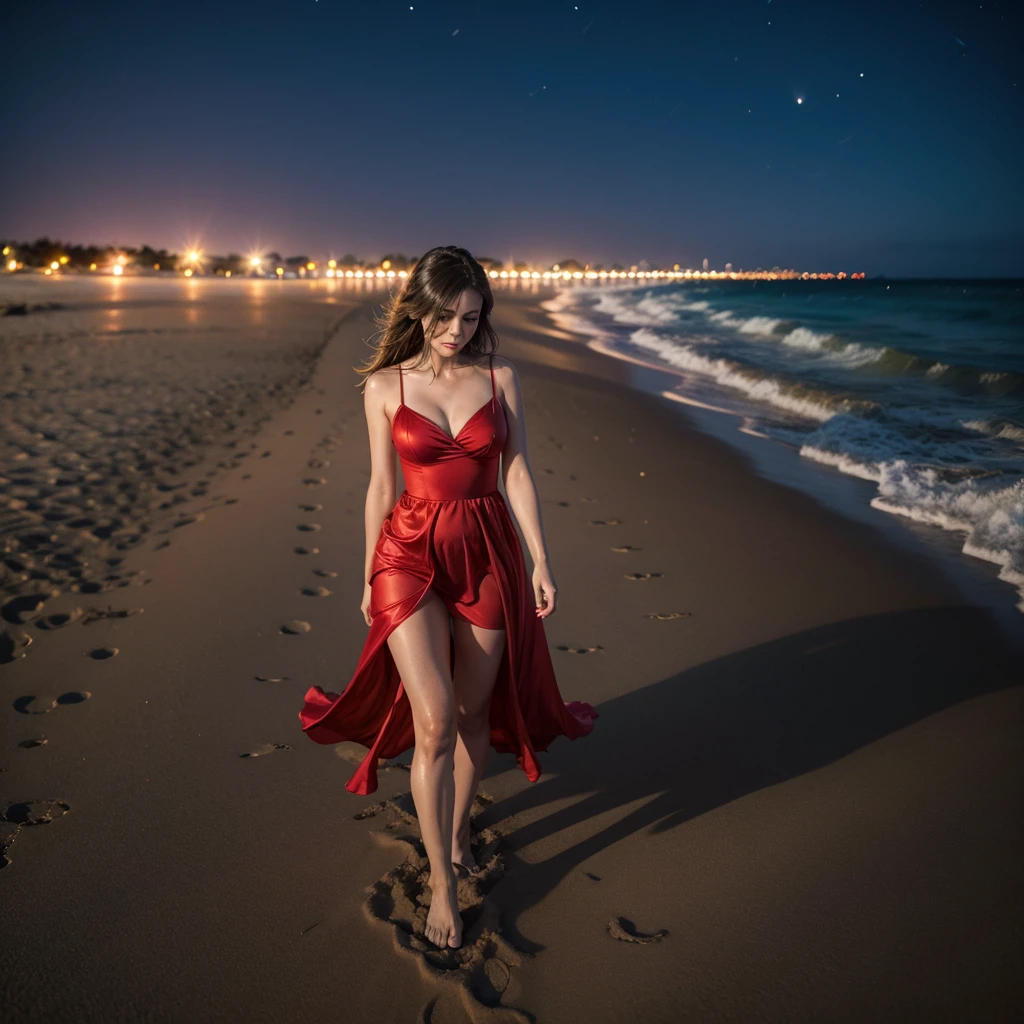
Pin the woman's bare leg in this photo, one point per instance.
(478, 655)
(420, 647)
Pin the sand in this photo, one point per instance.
(800, 800)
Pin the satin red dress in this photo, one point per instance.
(451, 530)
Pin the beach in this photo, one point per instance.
(800, 801)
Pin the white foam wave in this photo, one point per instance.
(730, 374)
(989, 512)
(992, 516)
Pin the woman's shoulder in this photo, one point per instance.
(503, 363)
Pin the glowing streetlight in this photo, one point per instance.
(279, 271)
(254, 262)
(188, 272)
(386, 265)
(122, 259)
(332, 264)
(311, 265)
(12, 265)
(194, 255)
(118, 270)
(63, 260)
(7, 250)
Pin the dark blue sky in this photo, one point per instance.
(605, 131)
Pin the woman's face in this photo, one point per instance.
(456, 327)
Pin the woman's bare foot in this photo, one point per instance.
(462, 851)
(444, 923)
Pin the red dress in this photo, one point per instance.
(449, 529)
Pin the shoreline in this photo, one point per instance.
(805, 772)
(850, 496)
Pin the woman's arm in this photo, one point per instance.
(515, 465)
(380, 494)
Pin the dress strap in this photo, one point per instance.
(494, 394)
(401, 385)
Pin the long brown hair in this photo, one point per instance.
(434, 284)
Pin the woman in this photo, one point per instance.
(456, 660)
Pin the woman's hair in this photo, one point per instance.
(435, 284)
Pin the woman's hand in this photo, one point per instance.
(364, 605)
(544, 591)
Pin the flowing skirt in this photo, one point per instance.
(451, 545)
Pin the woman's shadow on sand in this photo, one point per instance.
(721, 730)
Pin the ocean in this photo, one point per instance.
(914, 385)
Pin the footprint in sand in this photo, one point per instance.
(307, 551)
(589, 499)
(314, 481)
(625, 549)
(605, 522)
(59, 619)
(315, 592)
(24, 814)
(318, 463)
(287, 433)
(36, 741)
(559, 504)
(311, 508)
(102, 653)
(581, 650)
(198, 517)
(592, 877)
(644, 575)
(20, 610)
(624, 930)
(550, 472)
(308, 527)
(326, 573)
(13, 645)
(272, 679)
(296, 626)
(265, 748)
(266, 455)
(110, 612)
(665, 616)
(481, 965)
(43, 704)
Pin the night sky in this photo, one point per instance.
(605, 131)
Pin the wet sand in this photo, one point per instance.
(800, 800)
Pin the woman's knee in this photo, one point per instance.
(473, 716)
(435, 732)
